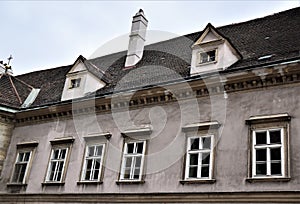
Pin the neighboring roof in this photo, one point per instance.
(276, 35)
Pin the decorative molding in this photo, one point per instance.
(201, 126)
(62, 140)
(196, 197)
(244, 82)
(94, 136)
(27, 144)
(146, 130)
(268, 118)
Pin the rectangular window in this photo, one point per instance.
(75, 83)
(199, 157)
(57, 164)
(93, 162)
(267, 152)
(132, 161)
(21, 167)
(206, 57)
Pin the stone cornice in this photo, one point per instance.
(195, 197)
(243, 81)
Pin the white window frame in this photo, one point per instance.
(133, 155)
(77, 82)
(208, 62)
(56, 161)
(17, 162)
(268, 146)
(200, 153)
(93, 158)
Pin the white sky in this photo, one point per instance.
(46, 34)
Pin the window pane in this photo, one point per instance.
(91, 151)
(19, 173)
(140, 147)
(89, 164)
(276, 168)
(261, 137)
(128, 161)
(261, 169)
(194, 159)
(87, 174)
(63, 153)
(205, 158)
(99, 150)
(194, 143)
(206, 142)
(137, 173)
(203, 57)
(193, 172)
(261, 154)
(275, 137)
(55, 154)
(212, 55)
(138, 161)
(130, 147)
(20, 157)
(276, 154)
(127, 173)
(26, 157)
(205, 171)
(97, 163)
(96, 174)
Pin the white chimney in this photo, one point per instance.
(136, 39)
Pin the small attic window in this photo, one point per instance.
(75, 83)
(207, 57)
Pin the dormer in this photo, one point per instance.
(83, 78)
(212, 52)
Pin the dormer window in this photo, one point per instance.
(75, 83)
(207, 57)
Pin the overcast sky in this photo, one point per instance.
(46, 34)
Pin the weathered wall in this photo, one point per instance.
(6, 129)
(166, 141)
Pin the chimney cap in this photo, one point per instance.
(140, 12)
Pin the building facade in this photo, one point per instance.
(209, 117)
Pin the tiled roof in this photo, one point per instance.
(276, 35)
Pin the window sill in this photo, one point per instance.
(206, 63)
(130, 182)
(202, 181)
(268, 179)
(89, 182)
(16, 184)
(53, 183)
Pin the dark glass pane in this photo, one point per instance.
(97, 164)
(261, 155)
(206, 142)
(261, 169)
(91, 151)
(130, 147)
(275, 154)
(203, 57)
(99, 150)
(87, 175)
(89, 164)
(55, 154)
(137, 173)
(194, 143)
(60, 166)
(128, 161)
(96, 174)
(19, 173)
(194, 159)
(205, 171)
(138, 161)
(63, 153)
(21, 156)
(193, 172)
(276, 168)
(140, 147)
(58, 176)
(275, 137)
(26, 157)
(205, 158)
(261, 137)
(212, 55)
